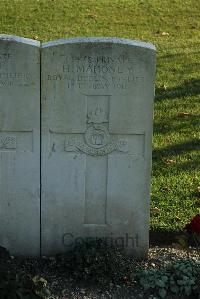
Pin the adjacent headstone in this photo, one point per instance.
(20, 145)
(97, 106)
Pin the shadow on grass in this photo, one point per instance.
(193, 164)
(177, 124)
(186, 148)
(177, 149)
(189, 88)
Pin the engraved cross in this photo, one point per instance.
(97, 143)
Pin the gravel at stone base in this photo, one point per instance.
(65, 287)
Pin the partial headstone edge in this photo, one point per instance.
(113, 40)
(18, 39)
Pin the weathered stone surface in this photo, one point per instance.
(97, 104)
(20, 145)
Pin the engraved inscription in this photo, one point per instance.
(8, 142)
(97, 72)
(4, 58)
(14, 79)
(9, 79)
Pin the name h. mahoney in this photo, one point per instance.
(96, 69)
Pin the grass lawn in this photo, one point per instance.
(174, 27)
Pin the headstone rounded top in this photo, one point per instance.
(18, 39)
(98, 40)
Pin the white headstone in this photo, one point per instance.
(20, 145)
(97, 106)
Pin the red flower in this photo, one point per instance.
(194, 225)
